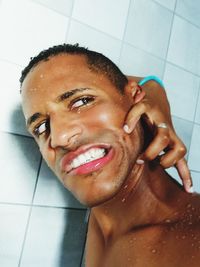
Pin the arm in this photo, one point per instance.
(154, 104)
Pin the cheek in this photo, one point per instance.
(107, 116)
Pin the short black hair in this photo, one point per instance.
(97, 62)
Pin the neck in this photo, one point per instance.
(148, 197)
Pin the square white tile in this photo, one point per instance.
(62, 6)
(94, 40)
(50, 191)
(184, 45)
(136, 62)
(12, 231)
(55, 238)
(168, 4)
(149, 27)
(20, 159)
(194, 153)
(190, 10)
(107, 16)
(11, 119)
(182, 89)
(26, 28)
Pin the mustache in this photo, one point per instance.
(103, 137)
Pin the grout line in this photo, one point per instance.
(11, 62)
(17, 134)
(187, 20)
(30, 212)
(69, 23)
(41, 206)
(51, 8)
(170, 33)
(125, 28)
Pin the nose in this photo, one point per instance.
(64, 133)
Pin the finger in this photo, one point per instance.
(134, 115)
(173, 155)
(184, 174)
(158, 144)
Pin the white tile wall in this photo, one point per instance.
(29, 29)
(62, 6)
(140, 63)
(168, 4)
(149, 22)
(194, 155)
(197, 115)
(19, 159)
(133, 33)
(94, 40)
(181, 92)
(184, 48)
(55, 238)
(106, 16)
(50, 192)
(196, 181)
(12, 226)
(184, 130)
(11, 118)
(190, 10)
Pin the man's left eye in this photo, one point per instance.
(82, 101)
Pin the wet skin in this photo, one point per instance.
(139, 216)
(76, 125)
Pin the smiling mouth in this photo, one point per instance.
(89, 161)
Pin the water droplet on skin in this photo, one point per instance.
(125, 186)
(123, 199)
(129, 259)
(183, 237)
(189, 206)
(167, 221)
(41, 76)
(153, 251)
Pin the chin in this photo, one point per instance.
(98, 195)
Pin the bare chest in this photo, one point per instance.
(152, 248)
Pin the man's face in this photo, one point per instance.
(76, 116)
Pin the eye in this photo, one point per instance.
(82, 101)
(41, 128)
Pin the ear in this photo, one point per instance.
(134, 91)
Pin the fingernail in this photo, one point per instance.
(140, 161)
(126, 128)
(191, 189)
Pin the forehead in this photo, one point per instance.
(60, 73)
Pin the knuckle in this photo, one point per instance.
(165, 139)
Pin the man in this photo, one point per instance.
(75, 102)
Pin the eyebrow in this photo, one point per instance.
(59, 99)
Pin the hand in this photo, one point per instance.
(152, 101)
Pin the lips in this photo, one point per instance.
(70, 163)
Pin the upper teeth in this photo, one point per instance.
(90, 155)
